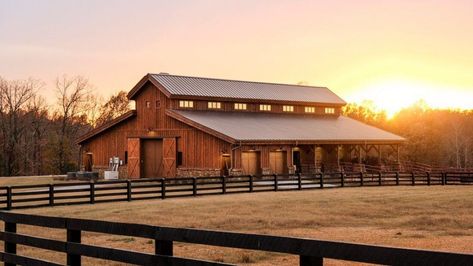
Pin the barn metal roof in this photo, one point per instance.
(235, 89)
(279, 127)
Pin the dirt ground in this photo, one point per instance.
(437, 217)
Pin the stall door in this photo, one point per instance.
(133, 164)
(169, 157)
(250, 162)
(278, 162)
(152, 158)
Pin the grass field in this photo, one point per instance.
(29, 180)
(437, 217)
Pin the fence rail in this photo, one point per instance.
(28, 196)
(310, 251)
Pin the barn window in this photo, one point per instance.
(158, 104)
(240, 106)
(330, 110)
(148, 104)
(265, 107)
(214, 105)
(186, 104)
(309, 109)
(288, 108)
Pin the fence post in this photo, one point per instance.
(128, 190)
(397, 178)
(251, 182)
(321, 180)
(194, 186)
(8, 246)
(224, 185)
(299, 181)
(9, 198)
(310, 261)
(51, 194)
(428, 179)
(163, 189)
(362, 182)
(73, 236)
(379, 178)
(92, 192)
(413, 178)
(444, 179)
(163, 247)
(275, 182)
(342, 179)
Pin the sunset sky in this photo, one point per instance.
(391, 52)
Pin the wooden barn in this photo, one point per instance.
(191, 126)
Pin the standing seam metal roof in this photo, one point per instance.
(222, 88)
(264, 127)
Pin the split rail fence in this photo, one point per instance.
(28, 196)
(310, 251)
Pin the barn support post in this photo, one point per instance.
(338, 157)
(315, 158)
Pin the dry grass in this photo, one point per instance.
(439, 218)
(29, 180)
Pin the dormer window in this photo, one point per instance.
(265, 107)
(309, 109)
(214, 105)
(186, 104)
(288, 108)
(330, 110)
(240, 106)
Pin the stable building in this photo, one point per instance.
(190, 126)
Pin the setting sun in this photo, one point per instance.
(393, 95)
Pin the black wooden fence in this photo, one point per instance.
(310, 251)
(27, 196)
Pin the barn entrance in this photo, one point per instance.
(278, 162)
(251, 162)
(151, 158)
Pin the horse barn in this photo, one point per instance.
(190, 126)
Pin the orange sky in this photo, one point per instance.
(392, 52)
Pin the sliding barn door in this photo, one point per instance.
(134, 164)
(169, 157)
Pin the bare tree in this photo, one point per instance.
(14, 95)
(117, 105)
(72, 93)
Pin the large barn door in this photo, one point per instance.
(250, 163)
(169, 157)
(152, 158)
(278, 162)
(133, 168)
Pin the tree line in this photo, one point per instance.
(438, 137)
(37, 137)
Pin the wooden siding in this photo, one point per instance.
(199, 149)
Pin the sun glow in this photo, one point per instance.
(393, 95)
